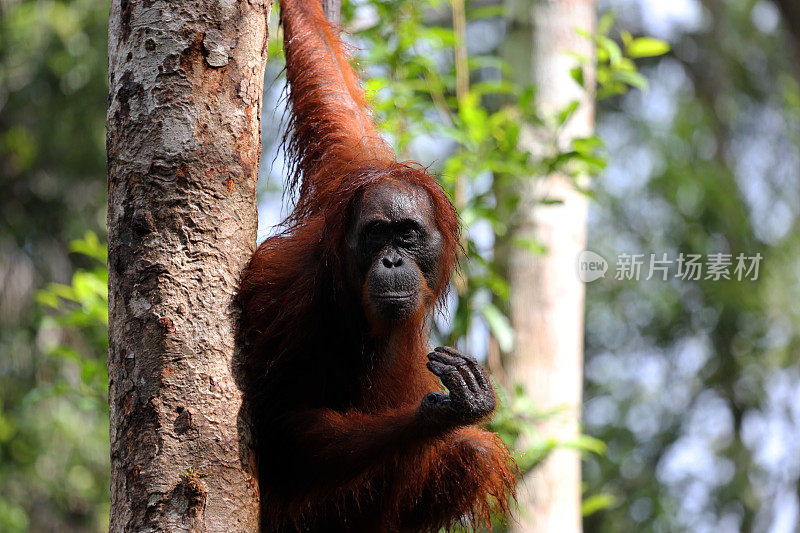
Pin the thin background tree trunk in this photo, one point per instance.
(546, 305)
(183, 144)
(333, 10)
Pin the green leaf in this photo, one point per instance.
(647, 47)
(577, 75)
(634, 79)
(527, 100)
(500, 327)
(587, 444)
(595, 503)
(445, 36)
(605, 23)
(611, 49)
(486, 12)
(565, 114)
(494, 87)
(530, 244)
(90, 246)
(626, 37)
(587, 145)
(553, 201)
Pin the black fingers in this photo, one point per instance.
(450, 376)
(471, 394)
(477, 370)
(455, 353)
(473, 373)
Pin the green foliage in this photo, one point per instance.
(53, 412)
(703, 162)
(54, 438)
(414, 96)
(53, 402)
(414, 92)
(644, 46)
(52, 135)
(615, 69)
(595, 503)
(82, 306)
(516, 421)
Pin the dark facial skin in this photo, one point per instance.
(393, 253)
(393, 249)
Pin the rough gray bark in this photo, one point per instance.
(183, 147)
(546, 302)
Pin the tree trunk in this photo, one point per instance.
(333, 10)
(546, 304)
(183, 145)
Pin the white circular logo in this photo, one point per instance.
(591, 266)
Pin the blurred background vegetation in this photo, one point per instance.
(692, 409)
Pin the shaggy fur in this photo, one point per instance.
(335, 403)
